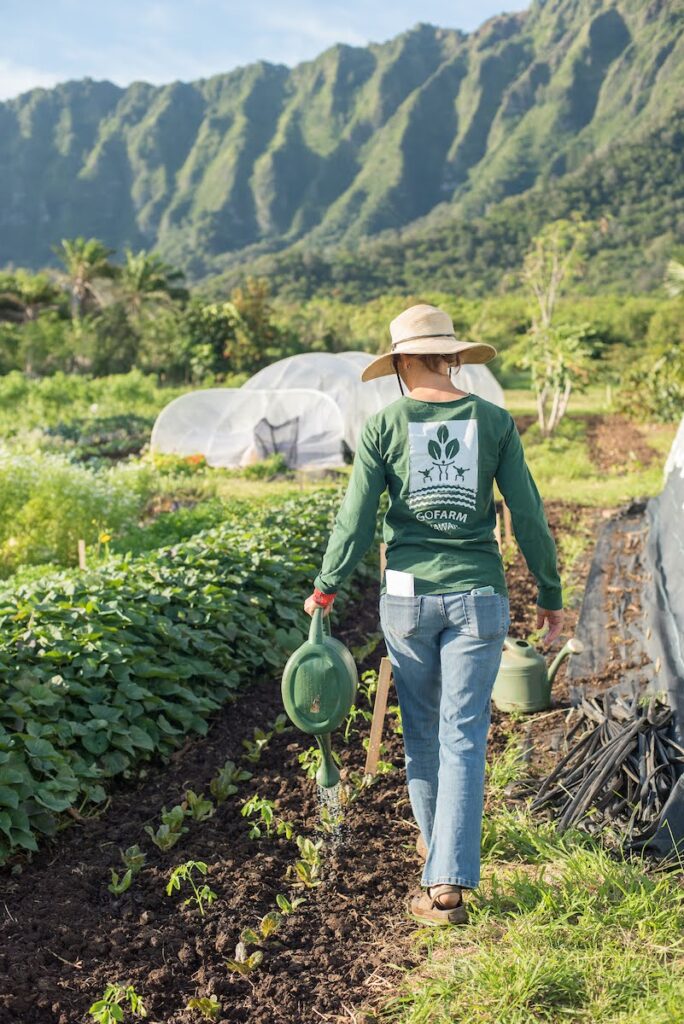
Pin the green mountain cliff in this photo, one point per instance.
(433, 129)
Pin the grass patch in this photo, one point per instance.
(563, 469)
(560, 931)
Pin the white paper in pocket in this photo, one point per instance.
(399, 583)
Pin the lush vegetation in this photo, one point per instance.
(104, 668)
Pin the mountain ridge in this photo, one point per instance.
(355, 142)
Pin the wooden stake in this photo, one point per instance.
(379, 710)
(81, 554)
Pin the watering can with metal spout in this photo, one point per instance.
(524, 682)
(319, 687)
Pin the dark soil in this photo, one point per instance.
(617, 445)
(65, 937)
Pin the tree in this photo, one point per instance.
(556, 354)
(24, 296)
(146, 283)
(85, 262)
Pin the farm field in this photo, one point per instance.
(550, 907)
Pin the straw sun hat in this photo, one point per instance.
(425, 330)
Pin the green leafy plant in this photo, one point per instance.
(100, 671)
(183, 873)
(255, 746)
(171, 829)
(134, 859)
(225, 783)
(245, 963)
(267, 823)
(310, 760)
(198, 808)
(208, 1006)
(307, 868)
(288, 906)
(108, 1009)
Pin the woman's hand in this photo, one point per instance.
(554, 621)
(310, 606)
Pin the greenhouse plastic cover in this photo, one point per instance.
(339, 375)
(235, 427)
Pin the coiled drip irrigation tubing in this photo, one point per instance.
(620, 770)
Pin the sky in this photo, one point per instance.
(48, 41)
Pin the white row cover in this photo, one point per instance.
(236, 427)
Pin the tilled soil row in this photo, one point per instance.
(65, 937)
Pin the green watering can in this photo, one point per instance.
(524, 682)
(319, 688)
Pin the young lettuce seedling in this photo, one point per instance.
(209, 1007)
(170, 830)
(225, 783)
(108, 1010)
(183, 873)
(289, 906)
(133, 859)
(197, 807)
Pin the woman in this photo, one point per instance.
(443, 604)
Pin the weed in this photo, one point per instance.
(208, 1006)
(197, 807)
(108, 1009)
(225, 783)
(183, 873)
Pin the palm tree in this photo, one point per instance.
(85, 260)
(23, 296)
(147, 282)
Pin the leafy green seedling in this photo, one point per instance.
(329, 821)
(119, 883)
(289, 906)
(382, 767)
(183, 873)
(134, 859)
(354, 713)
(108, 1009)
(310, 760)
(267, 823)
(244, 962)
(225, 783)
(170, 830)
(308, 868)
(255, 746)
(208, 1006)
(198, 807)
(281, 725)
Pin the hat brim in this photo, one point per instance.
(469, 351)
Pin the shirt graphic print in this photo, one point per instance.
(443, 472)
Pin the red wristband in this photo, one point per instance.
(322, 599)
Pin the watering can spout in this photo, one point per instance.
(327, 775)
(573, 646)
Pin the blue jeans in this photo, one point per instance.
(445, 651)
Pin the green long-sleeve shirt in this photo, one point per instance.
(439, 461)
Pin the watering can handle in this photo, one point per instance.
(320, 626)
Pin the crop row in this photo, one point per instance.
(99, 670)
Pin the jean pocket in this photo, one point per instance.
(399, 614)
(486, 615)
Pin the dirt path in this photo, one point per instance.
(65, 937)
(617, 443)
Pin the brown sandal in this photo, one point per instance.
(428, 907)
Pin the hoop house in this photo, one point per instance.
(234, 427)
(340, 378)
